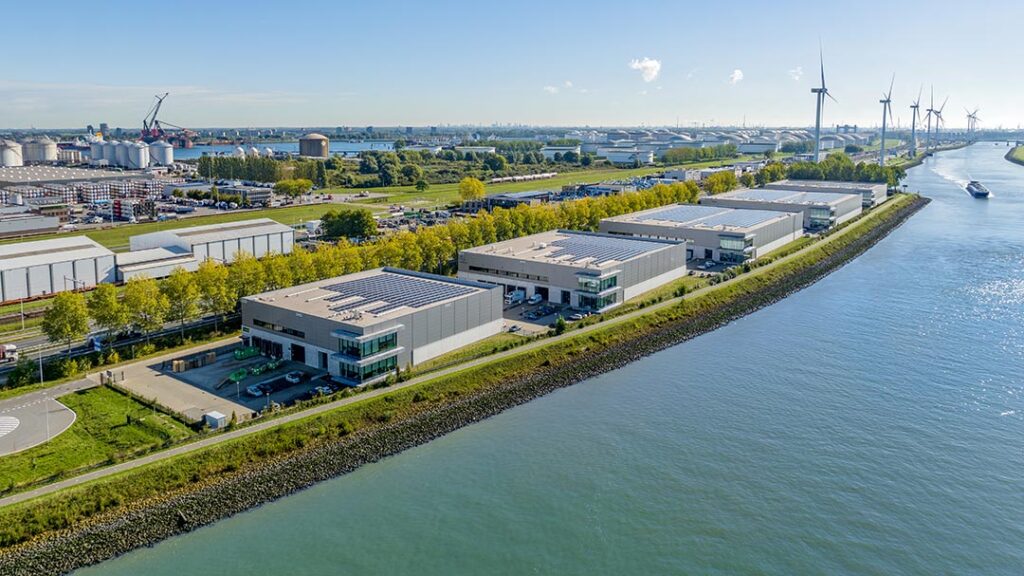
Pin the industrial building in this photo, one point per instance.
(872, 193)
(313, 145)
(549, 152)
(626, 156)
(154, 262)
(21, 220)
(44, 267)
(508, 200)
(584, 270)
(222, 242)
(712, 233)
(42, 174)
(820, 210)
(361, 327)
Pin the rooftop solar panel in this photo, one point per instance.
(740, 218)
(682, 213)
(600, 248)
(392, 291)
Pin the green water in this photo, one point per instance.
(870, 424)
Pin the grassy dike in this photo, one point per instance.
(93, 522)
(1016, 155)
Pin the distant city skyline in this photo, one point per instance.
(532, 63)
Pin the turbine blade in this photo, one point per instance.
(891, 82)
(829, 94)
(821, 61)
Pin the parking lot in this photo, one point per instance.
(203, 389)
(530, 319)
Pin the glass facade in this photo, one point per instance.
(597, 285)
(820, 217)
(369, 371)
(369, 347)
(598, 302)
(733, 249)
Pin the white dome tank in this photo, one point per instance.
(10, 153)
(239, 152)
(138, 155)
(161, 153)
(121, 153)
(268, 152)
(253, 151)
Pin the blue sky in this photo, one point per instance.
(446, 62)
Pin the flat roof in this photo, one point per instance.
(368, 297)
(152, 257)
(24, 254)
(572, 248)
(704, 217)
(796, 184)
(784, 196)
(41, 174)
(215, 232)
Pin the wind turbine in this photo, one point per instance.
(820, 93)
(930, 115)
(939, 120)
(915, 114)
(886, 102)
(972, 122)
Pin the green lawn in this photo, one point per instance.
(485, 347)
(101, 435)
(1016, 155)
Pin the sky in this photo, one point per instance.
(564, 63)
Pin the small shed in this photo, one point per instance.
(215, 419)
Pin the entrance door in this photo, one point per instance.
(566, 297)
(709, 254)
(322, 358)
(542, 290)
(299, 353)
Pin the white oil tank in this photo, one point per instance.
(121, 153)
(10, 153)
(268, 152)
(110, 151)
(138, 155)
(161, 153)
(239, 152)
(253, 151)
(96, 150)
(47, 149)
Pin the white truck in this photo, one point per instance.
(515, 297)
(8, 353)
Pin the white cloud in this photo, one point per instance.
(551, 89)
(568, 83)
(796, 73)
(736, 76)
(648, 67)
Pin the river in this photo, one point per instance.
(872, 423)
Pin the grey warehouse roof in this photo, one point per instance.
(216, 232)
(785, 196)
(571, 248)
(41, 174)
(370, 296)
(42, 252)
(699, 216)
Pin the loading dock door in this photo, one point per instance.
(299, 353)
(542, 290)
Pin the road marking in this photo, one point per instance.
(8, 424)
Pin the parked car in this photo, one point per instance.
(295, 377)
(576, 316)
(254, 390)
(535, 299)
(514, 328)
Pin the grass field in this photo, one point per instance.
(1016, 155)
(101, 435)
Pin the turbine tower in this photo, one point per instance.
(886, 102)
(930, 114)
(939, 120)
(820, 93)
(914, 115)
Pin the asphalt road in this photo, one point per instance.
(31, 419)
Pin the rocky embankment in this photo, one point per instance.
(146, 523)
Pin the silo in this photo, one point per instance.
(138, 155)
(10, 153)
(96, 150)
(121, 153)
(314, 145)
(161, 153)
(109, 152)
(48, 149)
(30, 150)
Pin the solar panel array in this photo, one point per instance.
(600, 248)
(761, 194)
(390, 292)
(682, 213)
(790, 196)
(741, 218)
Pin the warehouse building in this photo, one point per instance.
(21, 220)
(820, 210)
(712, 233)
(583, 270)
(31, 269)
(361, 327)
(223, 242)
(872, 193)
(154, 262)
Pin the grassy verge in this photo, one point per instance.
(1016, 155)
(110, 427)
(68, 507)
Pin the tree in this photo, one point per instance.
(412, 173)
(107, 310)
(246, 276)
(276, 272)
(388, 174)
(471, 189)
(146, 305)
(321, 174)
(215, 295)
(747, 179)
(293, 187)
(721, 181)
(67, 319)
(495, 162)
(422, 185)
(182, 297)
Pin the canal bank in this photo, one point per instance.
(433, 411)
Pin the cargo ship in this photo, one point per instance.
(977, 189)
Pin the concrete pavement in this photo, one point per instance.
(31, 419)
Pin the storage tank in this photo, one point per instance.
(10, 153)
(47, 149)
(138, 155)
(268, 152)
(253, 151)
(239, 152)
(314, 145)
(96, 150)
(161, 153)
(121, 153)
(109, 151)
